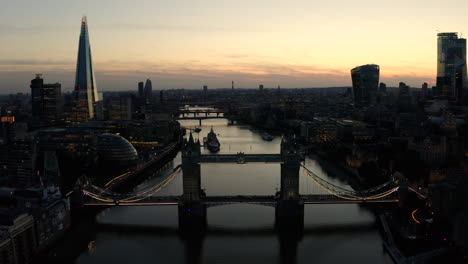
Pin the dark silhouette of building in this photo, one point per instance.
(85, 94)
(18, 241)
(404, 99)
(425, 89)
(365, 82)
(119, 107)
(451, 66)
(17, 164)
(148, 91)
(141, 92)
(46, 100)
(382, 87)
(403, 89)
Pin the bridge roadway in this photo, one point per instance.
(240, 158)
(200, 112)
(199, 117)
(268, 200)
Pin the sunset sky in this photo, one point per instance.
(186, 44)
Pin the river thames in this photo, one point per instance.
(240, 233)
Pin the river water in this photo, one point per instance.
(237, 233)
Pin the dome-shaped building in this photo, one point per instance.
(115, 152)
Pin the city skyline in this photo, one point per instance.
(180, 45)
(158, 131)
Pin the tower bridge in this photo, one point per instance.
(288, 203)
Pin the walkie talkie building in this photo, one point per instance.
(85, 93)
(365, 82)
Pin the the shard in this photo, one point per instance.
(86, 95)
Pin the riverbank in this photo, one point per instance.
(121, 182)
(81, 234)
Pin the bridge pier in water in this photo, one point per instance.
(289, 212)
(192, 218)
(288, 242)
(192, 210)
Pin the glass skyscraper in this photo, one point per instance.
(85, 93)
(451, 66)
(148, 91)
(365, 83)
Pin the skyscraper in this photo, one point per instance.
(451, 66)
(365, 80)
(85, 93)
(141, 86)
(148, 91)
(46, 100)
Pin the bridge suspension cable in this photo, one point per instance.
(109, 196)
(369, 194)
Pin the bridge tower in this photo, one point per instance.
(290, 207)
(402, 182)
(192, 212)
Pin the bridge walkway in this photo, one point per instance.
(269, 200)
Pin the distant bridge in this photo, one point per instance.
(189, 114)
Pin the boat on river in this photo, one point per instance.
(212, 142)
(267, 136)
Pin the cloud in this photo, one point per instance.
(173, 27)
(123, 75)
(15, 28)
(129, 27)
(34, 62)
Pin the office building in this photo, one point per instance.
(46, 100)
(17, 164)
(403, 89)
(451, 66)
(425, 89)
(141, 92)
(365, 80)
(120, 107)
(85, 93)
(382, 87)
(148, 90)
(18, 243)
